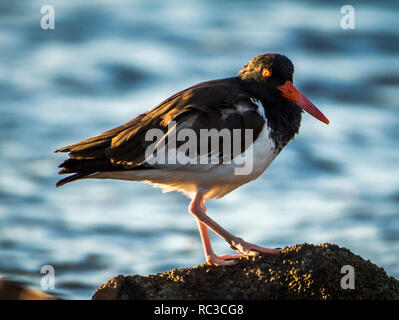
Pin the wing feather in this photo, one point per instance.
(214, 104)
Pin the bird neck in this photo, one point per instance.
(284, 120)
(283, 116)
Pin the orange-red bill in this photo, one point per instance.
(291, 93)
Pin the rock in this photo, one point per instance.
(13, 290)
(299, 272)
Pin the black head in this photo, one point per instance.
(264, 73)
(268, 77)
(280, 69)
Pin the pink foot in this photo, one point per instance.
(247, 248)
(223, 260)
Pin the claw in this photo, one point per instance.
(223, 260)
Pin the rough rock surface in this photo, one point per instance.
(299, 272)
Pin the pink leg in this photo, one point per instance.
(211, 257)
(198, 209)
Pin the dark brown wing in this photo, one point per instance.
(124, 147)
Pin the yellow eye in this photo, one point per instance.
(266, 72)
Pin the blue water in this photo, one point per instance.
(106, 62)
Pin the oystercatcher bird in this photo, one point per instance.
(261, 99)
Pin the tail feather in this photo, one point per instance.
(71, 165)
(71, 178)
(89, 156)
(83, 168)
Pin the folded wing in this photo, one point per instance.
(219, 104)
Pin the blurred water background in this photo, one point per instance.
(108, 61)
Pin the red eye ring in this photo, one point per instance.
(266, 72)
